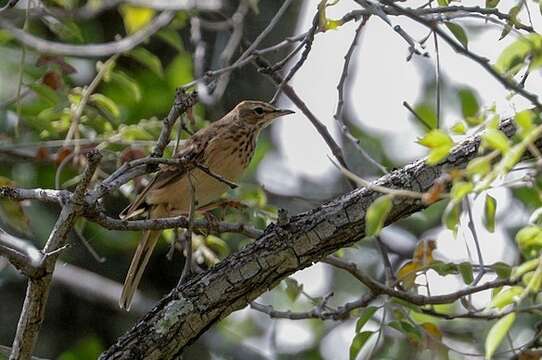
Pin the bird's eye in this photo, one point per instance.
(258, 111)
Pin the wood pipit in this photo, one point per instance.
(225, 147)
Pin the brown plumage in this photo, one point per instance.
(226, 148)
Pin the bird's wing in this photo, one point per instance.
(192, 149)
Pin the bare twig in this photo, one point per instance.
(290, 92)
(218, 177)
(340, 313)
(170, 223)
(340, 103)
(88, 50)
(483, 62)
(416, 299)
(20, 253)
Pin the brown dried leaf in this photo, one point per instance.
(52, 79)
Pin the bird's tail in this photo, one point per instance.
(137, 267)
(140, 259)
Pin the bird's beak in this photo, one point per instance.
(282, 112)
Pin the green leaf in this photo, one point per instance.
(496, 140)
(45, 93)
(148, 59)
(440, 144)
(465, 269)
(529, 240)
(524, 120)
(511, 158)
(492, 3)
(172, 38)
(490, 208)
(376, 215)
(357, 343)
(218, 245)
(366, 316)
(478, 166)
(460, 189)
(66, 30)
(450, 217)
(126, 83)
(469, 104)
(179, 71)
(293, 289)
(412, 332)
(442, 2)
(506, 297)
(497, 333)
(105, 103)
(514, 57)
(426, 115)
(459, 128)
(502, 270)
(134, 132)
(135, 18)
(443, 268)
(459, 33)
(525, 267)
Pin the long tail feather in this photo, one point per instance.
(137, 267)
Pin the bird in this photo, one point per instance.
(225, 148)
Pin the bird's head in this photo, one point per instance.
(258, 113)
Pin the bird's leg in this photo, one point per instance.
(187, 271)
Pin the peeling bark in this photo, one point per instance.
(191, 308)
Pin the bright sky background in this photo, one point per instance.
(381, 81)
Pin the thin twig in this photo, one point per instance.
(483, 62)
(340, 103)
(88, 50)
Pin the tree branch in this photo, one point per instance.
(88, 50)
(191, 308)
(38, 288)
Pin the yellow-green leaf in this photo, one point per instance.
(459, 128)
(135, 17)
(293, 289)
(506, 297)
(440, 144)
(376, 215)
(496, 140)
(450, 217)
(460, 189)
(105, 103)
(524, 120)
(490, 208)
(514, 56)
(478, 166)
(497, 333)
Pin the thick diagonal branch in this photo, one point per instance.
(189, 310)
